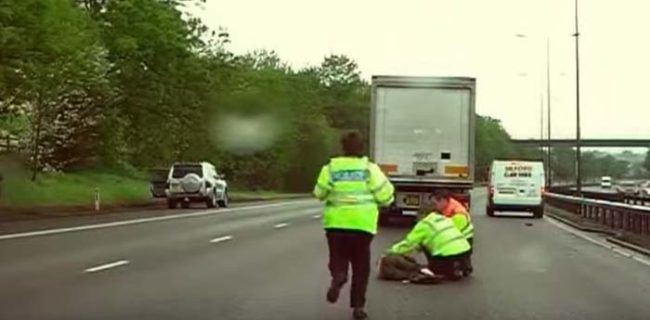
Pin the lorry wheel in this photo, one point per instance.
(489, 210)
(538, 213)
(171, 204)
(383, 220)
(185, 204)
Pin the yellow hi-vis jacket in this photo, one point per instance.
(435, 233)
(353, 189)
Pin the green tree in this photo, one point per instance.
(58, 82)
(492, 142)
(164, 83)
(563, 165)
(646, 162)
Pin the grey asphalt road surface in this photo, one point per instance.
(268, 261)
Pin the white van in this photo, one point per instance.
(606, 182)
(516, 186)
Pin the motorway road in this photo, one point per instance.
(268, 261)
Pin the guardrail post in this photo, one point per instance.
(97, 199)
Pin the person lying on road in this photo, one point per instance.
(395, 267)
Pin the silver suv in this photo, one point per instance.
(196, 182)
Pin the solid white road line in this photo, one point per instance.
(280, 225)
(597, 242)
(139, 221)
(107, 266)
(642, 260)
(221, 239)
(316, 216)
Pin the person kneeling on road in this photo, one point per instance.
(444, 203)
(443, 244)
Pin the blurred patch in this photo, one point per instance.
(245, 134)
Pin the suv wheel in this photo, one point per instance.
(171, 204)
(211, 201)
(223, 203)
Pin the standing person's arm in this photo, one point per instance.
(323, 184)
(380, 186)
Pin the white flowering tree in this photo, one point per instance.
(57, 80)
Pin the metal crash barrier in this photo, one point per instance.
(615, 215)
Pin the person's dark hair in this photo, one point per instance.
(441, 194)
(352, 144)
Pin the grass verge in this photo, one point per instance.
(78, 189)
(73, 189)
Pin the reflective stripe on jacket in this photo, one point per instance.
(352, 189)
(437, 234)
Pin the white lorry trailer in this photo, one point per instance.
(422, 136)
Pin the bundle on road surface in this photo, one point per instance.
(268, 261)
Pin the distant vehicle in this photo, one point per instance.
(627, 187)
(606, 182)
(516, 186)
(422, 136)
(644, 189)
(196, 182)
(158, 179)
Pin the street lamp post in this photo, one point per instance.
(549, 159)
(578, 154)
(548, 113)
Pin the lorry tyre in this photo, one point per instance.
(489, 210)
(538, 212)
(171, 203)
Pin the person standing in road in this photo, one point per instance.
(352, 188)
(449, 207)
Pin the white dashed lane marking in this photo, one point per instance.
(221, 239)
(107, 266)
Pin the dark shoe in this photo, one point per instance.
(359, 314)
(334, 291)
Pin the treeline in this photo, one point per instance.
(141, 84)
(493, 142)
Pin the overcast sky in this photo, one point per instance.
(474, 38)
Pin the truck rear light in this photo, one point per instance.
(388, 168)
